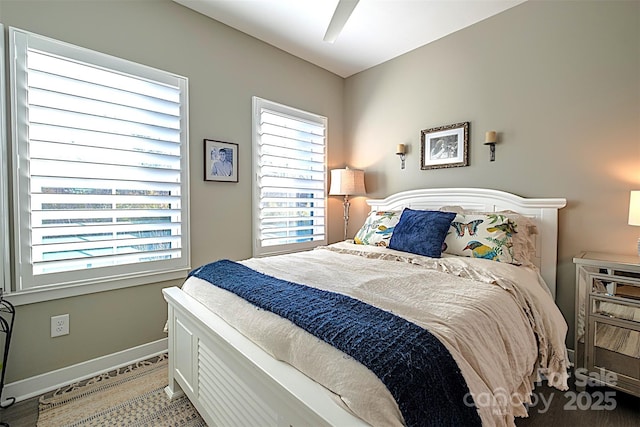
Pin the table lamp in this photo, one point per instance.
(346, 182)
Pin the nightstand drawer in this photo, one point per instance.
(617, 339)
(621, 364)
(616, 308)
(616, 349)
(615, 286)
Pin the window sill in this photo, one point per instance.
(48, 294)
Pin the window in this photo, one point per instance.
(4, 232)
(290, 186)
(100, 149)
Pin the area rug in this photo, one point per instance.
(131, 396)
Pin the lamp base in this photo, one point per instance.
(346, 204)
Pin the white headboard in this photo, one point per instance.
(543, 211)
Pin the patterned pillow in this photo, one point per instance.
(524, 241)
(377, 228)
(421, 232)
(488, 236)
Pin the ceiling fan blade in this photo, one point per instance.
(340, 16)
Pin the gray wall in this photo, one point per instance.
(559, 81)
(225, 69)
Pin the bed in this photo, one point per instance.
(245, 366)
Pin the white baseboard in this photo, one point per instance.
(34, 386)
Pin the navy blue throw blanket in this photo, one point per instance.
(413, 364)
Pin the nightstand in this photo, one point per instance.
(607, 343)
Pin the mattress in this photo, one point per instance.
(497, 320)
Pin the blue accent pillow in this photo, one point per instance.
(421, 232)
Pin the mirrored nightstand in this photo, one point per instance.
(607, 342)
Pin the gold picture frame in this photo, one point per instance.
(445, 146)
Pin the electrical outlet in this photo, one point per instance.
(59, 325)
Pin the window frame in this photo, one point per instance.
(106, 278)
(4, 188)
(257, 105)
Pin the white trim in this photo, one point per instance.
(43, 383)
(5, 282)
(49, 294)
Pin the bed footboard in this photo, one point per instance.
(231, 381)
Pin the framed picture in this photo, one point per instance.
(445, 146)
(220, 161)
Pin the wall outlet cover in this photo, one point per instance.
(59, 325)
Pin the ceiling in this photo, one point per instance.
(375, 32)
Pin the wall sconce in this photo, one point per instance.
(634, 211)
(401, 151)
(490, 139)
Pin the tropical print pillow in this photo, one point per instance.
(524, 241)
(488, 236)
(377, 228)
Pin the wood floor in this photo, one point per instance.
(21, 414)
(597, 406)
(565, 409)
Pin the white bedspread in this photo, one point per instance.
(498, 321)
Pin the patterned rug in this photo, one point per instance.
(131, 396)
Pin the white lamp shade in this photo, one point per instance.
(347, 182)
(634, 208)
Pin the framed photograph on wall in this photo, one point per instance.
(220, 161)
(445, 146)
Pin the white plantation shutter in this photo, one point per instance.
(290, 186)
(4, 230)
(102, 182)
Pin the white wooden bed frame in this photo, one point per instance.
(233, 382)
